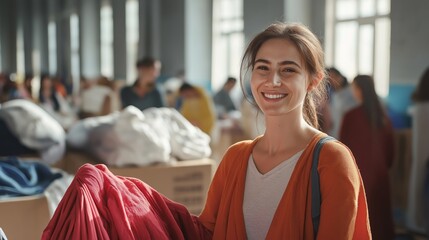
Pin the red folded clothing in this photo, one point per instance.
(100, 205)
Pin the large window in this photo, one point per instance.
(52, 47)
(358, 39)
(74, 52)
(228, 42)
(132, 31)
(106, 37)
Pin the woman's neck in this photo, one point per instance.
(280, 137)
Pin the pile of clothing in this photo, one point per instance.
(100, 205)
(20, 177)
(140, 138)
(25, 128)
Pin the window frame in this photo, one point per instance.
(382, 83)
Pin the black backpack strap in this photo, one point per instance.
(315, 184)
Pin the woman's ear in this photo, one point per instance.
(315, 80)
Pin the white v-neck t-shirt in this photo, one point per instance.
(262, 194)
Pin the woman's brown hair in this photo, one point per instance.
(311, 52)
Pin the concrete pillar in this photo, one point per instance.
(39, 53)
(143, 28)
(172, 36)
(119, 40)
(149, 25)
(24, 31)
(155, 28)
(89, 24)
(8, 28)
(198, 42)
(64, 8)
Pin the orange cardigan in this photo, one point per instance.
(344, 213)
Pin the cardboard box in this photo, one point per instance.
(186, 182)
(24, 218)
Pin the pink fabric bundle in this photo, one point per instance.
(100, 205)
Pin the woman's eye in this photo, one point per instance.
(264, 68)
(289, 70)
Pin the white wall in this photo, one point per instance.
(298, 11)
(410, 41)
(257, 15)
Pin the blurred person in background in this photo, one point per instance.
(49, 98)
(27, 88)
(197, 107)
(59, 87)
(222, 99)
(368, 132)
(8, 88)
(144, 92)
(54, 103)
(341, 99)
(98, 99)
(171, 89)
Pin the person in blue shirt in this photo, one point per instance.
(144, 93)
(222, 99)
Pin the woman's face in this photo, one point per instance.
(148, 75)
(279, 80)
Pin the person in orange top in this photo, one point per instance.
(262, 188)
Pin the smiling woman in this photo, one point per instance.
(263, 186)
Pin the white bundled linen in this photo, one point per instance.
(143, 140)
(35, 128)
(133, 137)
(186, 140)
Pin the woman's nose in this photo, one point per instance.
(275, 80)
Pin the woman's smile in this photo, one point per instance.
(274, 96)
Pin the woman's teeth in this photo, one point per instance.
(274, 96)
